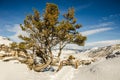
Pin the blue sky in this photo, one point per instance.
(100, 18)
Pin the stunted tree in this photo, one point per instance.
(45, 32)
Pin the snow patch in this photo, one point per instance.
(67, 73)
(4, 40)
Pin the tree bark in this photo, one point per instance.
(40, 67)
(59, 54)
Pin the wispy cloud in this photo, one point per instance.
(112, 16)
(104, 24)
(17, 30)
(93, 44)
(97, 28)
(102, 43)
(94, 31)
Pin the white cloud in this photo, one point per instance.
(105, 24)
(94, 31)
(111, 17)
(102, 43)
(17, 30)
(93, 44)
(98, 28)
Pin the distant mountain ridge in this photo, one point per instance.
(4, 40)
(103, 51)
(91, 52)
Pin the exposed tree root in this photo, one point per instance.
(72, 61)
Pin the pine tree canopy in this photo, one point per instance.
(46, 31)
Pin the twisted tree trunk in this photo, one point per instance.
(40, 67)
